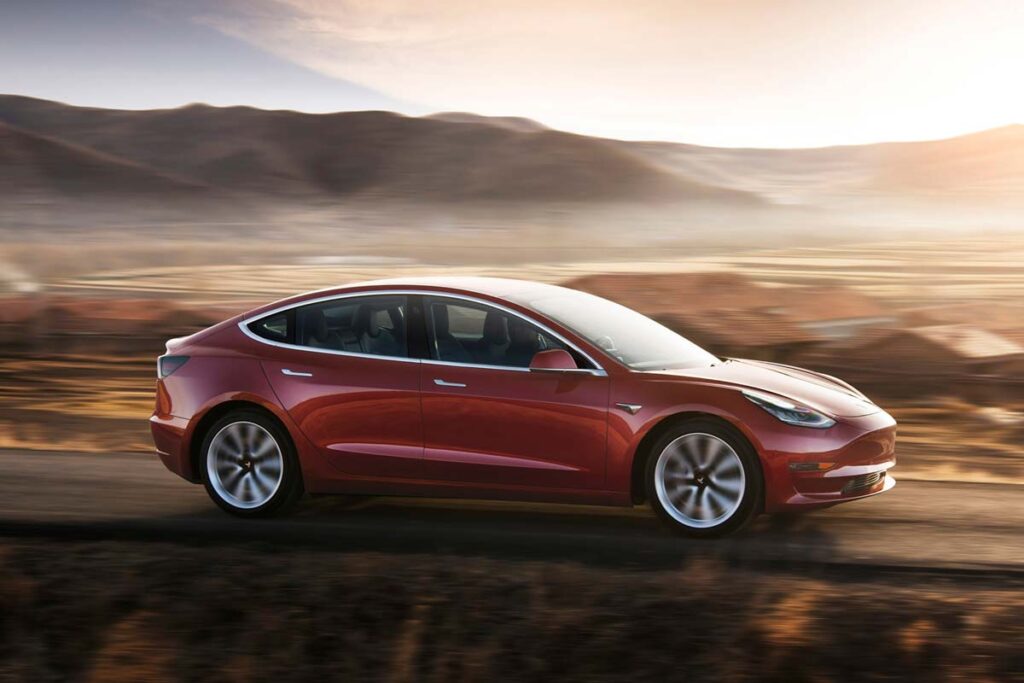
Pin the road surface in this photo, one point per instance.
(948, 528)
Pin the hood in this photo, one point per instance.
(811, 389)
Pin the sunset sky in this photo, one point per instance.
(780, 73)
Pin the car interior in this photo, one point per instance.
(371, 327)
(485, 336)
(458, 333)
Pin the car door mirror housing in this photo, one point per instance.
(552, 360)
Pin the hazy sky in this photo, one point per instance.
(722, 72)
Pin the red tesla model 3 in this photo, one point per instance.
(491, 388)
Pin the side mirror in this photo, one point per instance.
(552, 360)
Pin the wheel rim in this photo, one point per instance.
(699, 480)
(245, 465)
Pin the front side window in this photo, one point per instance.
(476, 334)
(373, 325)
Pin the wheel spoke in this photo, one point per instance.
(732, 487)
(232, 481)
(266, 447)
(684, 498)
(719, 502)
(691, 454)
(270, 464)
(708, 452)
(676, 477)
(226, 467)
(266, 480)
(726, 467)
(257, 484)
(234, 433)
(229, 453)
(696, 507)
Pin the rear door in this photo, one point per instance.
(489, 421)
(341, 368)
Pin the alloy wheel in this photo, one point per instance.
(245, 465)
(699, 480)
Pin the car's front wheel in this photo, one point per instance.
(249, 466)
(704, 479)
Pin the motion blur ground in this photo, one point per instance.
(119, 573)
(159, 612)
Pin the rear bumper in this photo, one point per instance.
(856, 469)
(169, 437)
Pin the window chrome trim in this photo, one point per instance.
(481, 366)
(243, 325)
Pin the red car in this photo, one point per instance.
(491, 388)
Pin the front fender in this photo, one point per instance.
(661, 400)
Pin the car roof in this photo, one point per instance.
(488, 286)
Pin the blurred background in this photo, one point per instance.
(838, 186)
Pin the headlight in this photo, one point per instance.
(788, 412)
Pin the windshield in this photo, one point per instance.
(624, 334)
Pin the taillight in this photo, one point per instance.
(165, 365)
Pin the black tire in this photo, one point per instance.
(289, 487)
(749, 503)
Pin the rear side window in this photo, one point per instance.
(272, 328)
(372, 325)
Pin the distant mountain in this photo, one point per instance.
(358, 154)
(456, 156)
(984, 165)
(516, 123)
(37, 165)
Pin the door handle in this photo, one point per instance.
(442, 383)
(293, 373)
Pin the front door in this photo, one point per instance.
(489, 421)
(351, 387)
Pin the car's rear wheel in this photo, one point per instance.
(249, 466)
(703, 479)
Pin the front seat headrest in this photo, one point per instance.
(366, 321)
(521, 333)
(496, 328)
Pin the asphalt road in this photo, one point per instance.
(932, 527)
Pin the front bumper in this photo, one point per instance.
(840, 485)
(858, 466)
